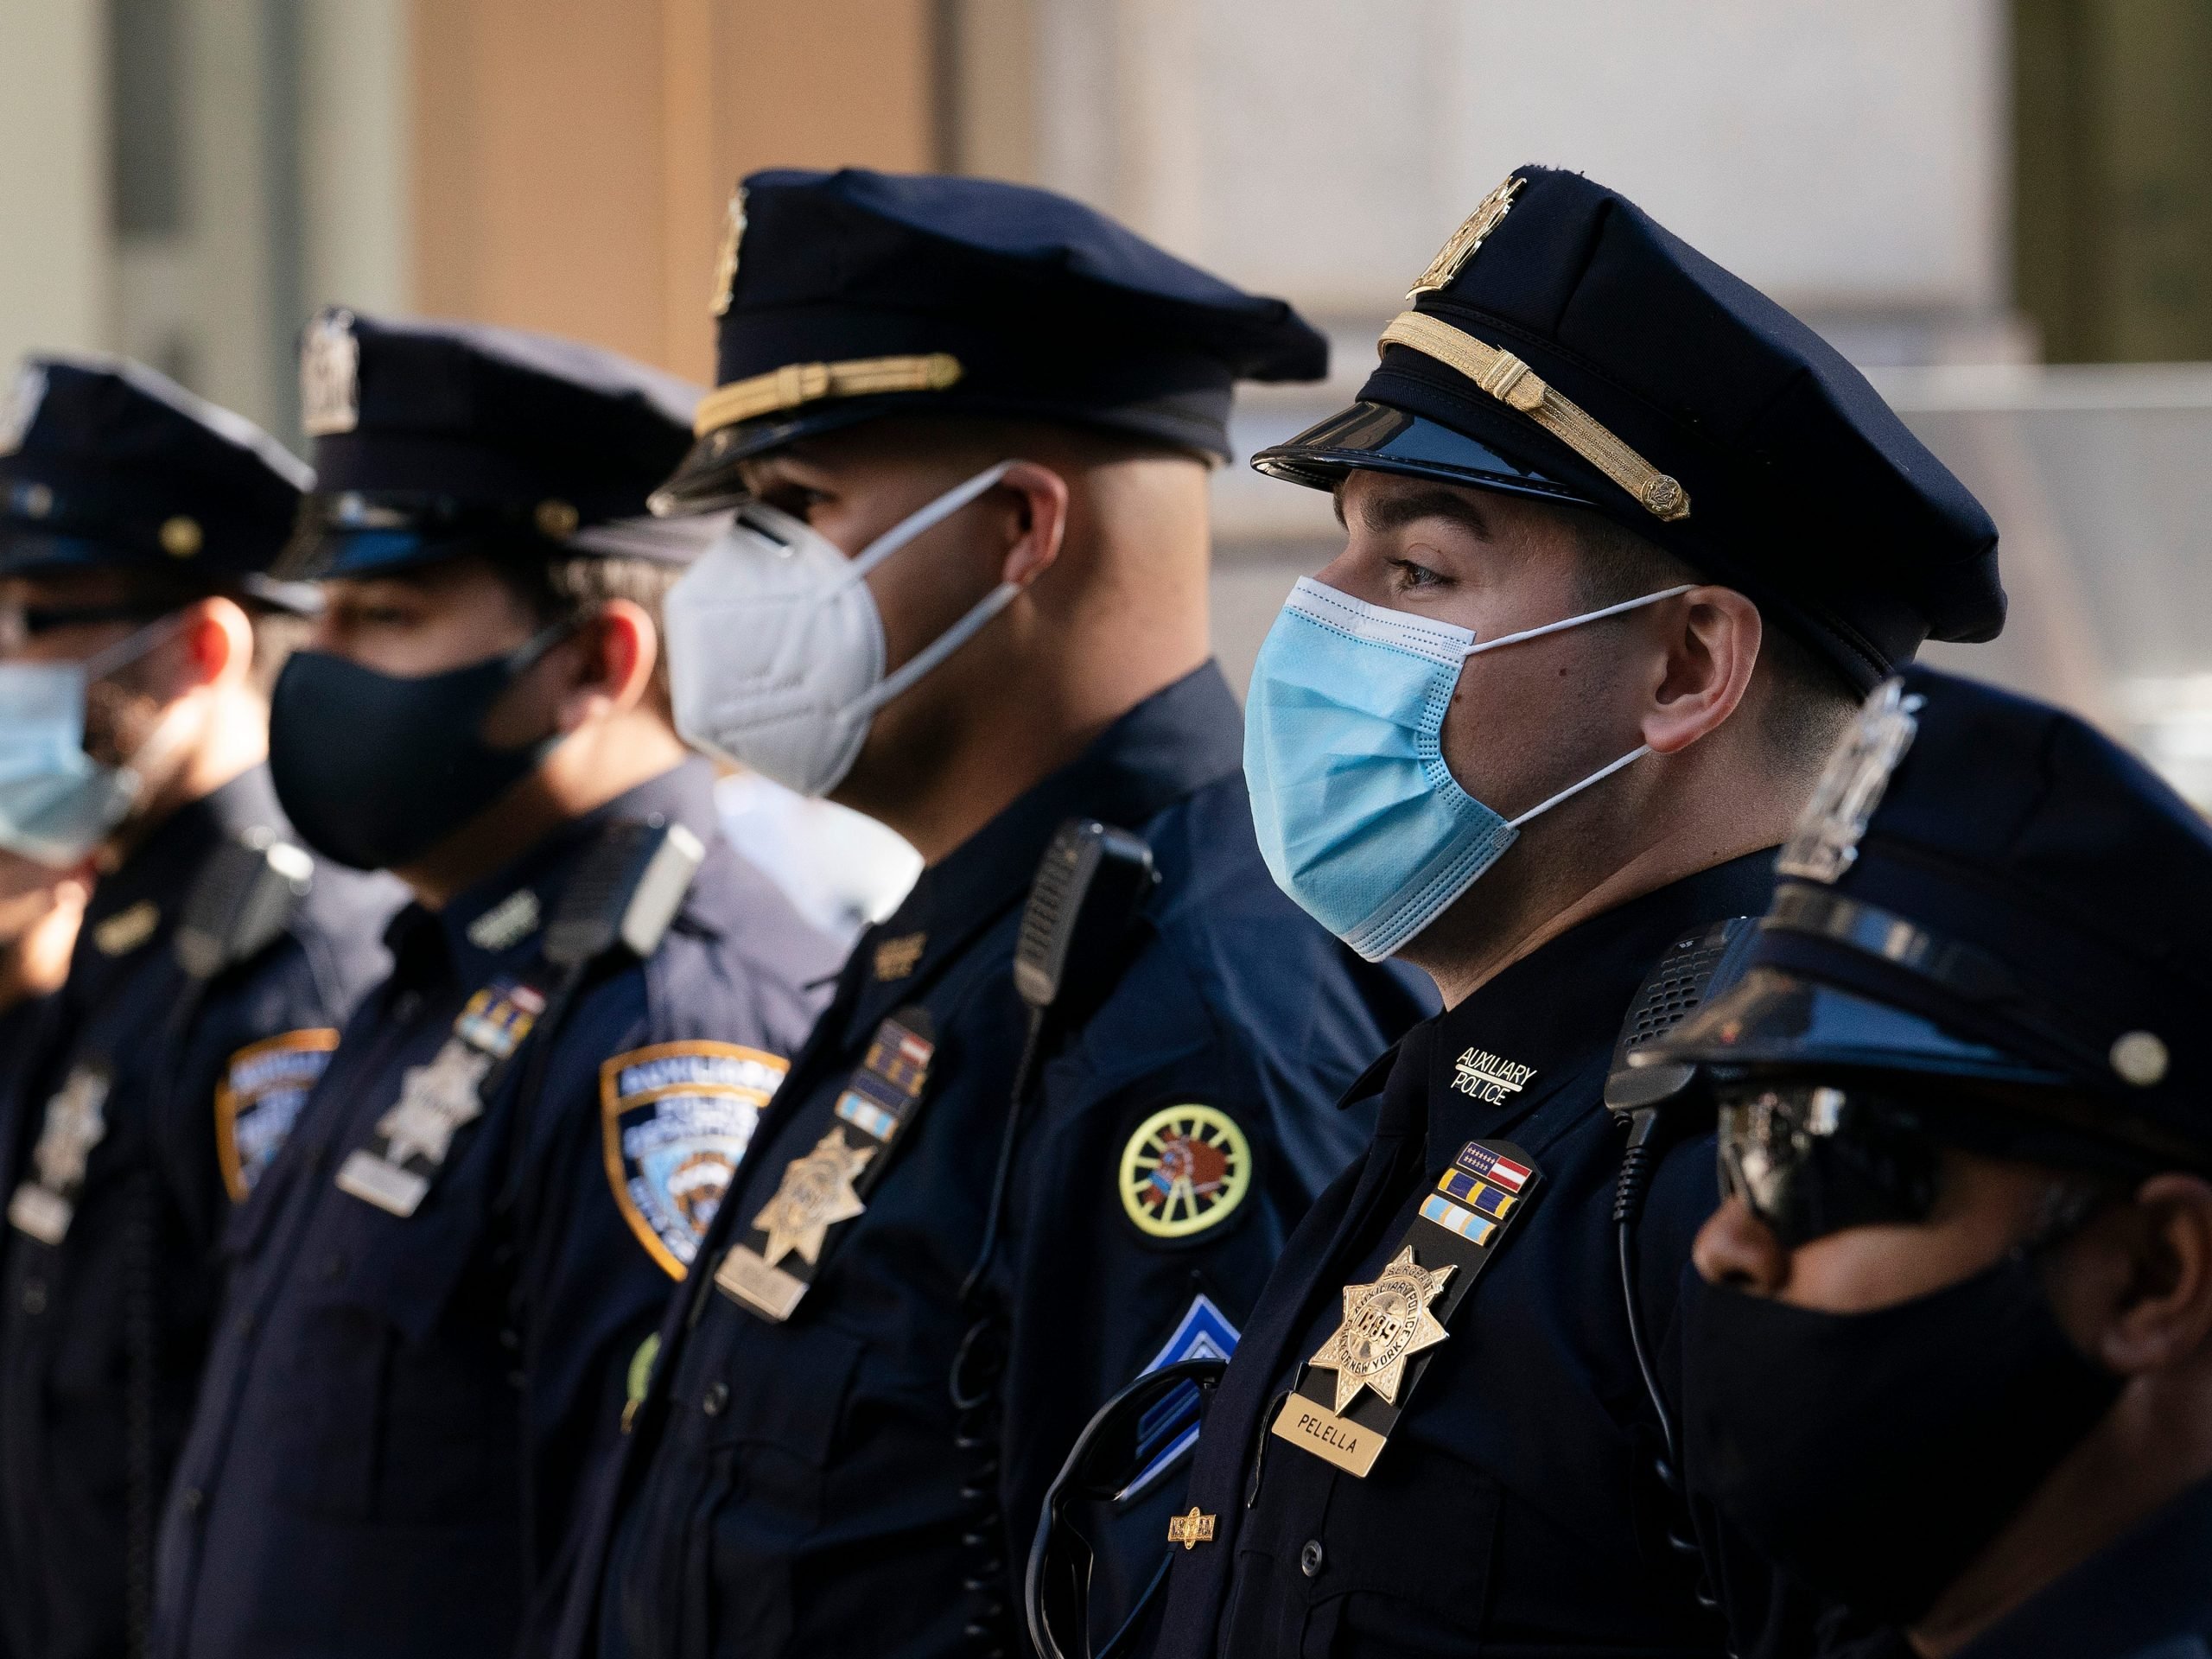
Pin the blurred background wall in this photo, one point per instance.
(2002, 207)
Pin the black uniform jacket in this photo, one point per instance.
(399, 1409)
(794, 1487)
(1513, 1509)
(141, 1107)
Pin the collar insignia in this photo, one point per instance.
(1385, 1324)
(1488, 1078)
(330, 376)
(508, 922)
(815, 1193)
(1461, 246)
(1825, 843)
(726, 257)
(20, 407)
(896, 958)
(125, 931)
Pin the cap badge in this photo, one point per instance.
(330, 371)
(726, 258)
(20, 407)
(1463, 242)
(1825, 842)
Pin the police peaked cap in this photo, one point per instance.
(1987, 891)
(1566, 347)
(851, 295)
(433, 438)
(107, 464)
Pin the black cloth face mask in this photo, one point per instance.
(374, 769)
(1875, 1455)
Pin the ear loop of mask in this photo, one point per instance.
(169, 731)
(1634, 754)
(960, 633)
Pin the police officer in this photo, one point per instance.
(437, 1301)
(215, 962)
(967, 427)
(1622, 538)
(1950, 1351)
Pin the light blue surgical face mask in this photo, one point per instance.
(1359, 818)
(56, 802)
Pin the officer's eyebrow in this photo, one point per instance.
(1391, 510)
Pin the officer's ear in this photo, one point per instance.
(2149, 1273)
(214, 646)
(1708, 644)
(1037, 523)
(607, 664)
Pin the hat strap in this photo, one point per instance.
(804, 383)
(1514, 384)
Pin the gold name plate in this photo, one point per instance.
(1329, 1437)
(767, 1291)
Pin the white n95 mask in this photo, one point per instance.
(775, 647)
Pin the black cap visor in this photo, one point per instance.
(1383, 439)
(33, 554)
(1782, 1020)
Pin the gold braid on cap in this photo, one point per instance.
(805, 383)
(1514, 384)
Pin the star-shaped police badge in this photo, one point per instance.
(815, 1193)
(435, 1100)
(1386, 1324)
(76, 1122)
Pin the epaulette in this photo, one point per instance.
(242, 900)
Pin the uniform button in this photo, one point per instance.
(717, 1398)
(334, 1269)
(1310, 1558)
(34, 1296)
(243, 1323)
(192, 1498)
(509, 1339)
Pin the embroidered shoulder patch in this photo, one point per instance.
(676, 1117)
(262, 1088)
(1185, 1168)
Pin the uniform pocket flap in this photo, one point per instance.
(790, 1393)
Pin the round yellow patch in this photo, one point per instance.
(1185, 1169)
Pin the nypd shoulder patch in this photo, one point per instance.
(264, 1085)
(676, 1117)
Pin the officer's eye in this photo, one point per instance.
(1408, 575)
(795, 498)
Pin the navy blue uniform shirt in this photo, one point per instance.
(144, 1106)
(399, 1409)
(1513, 1509)
(795, 1487)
